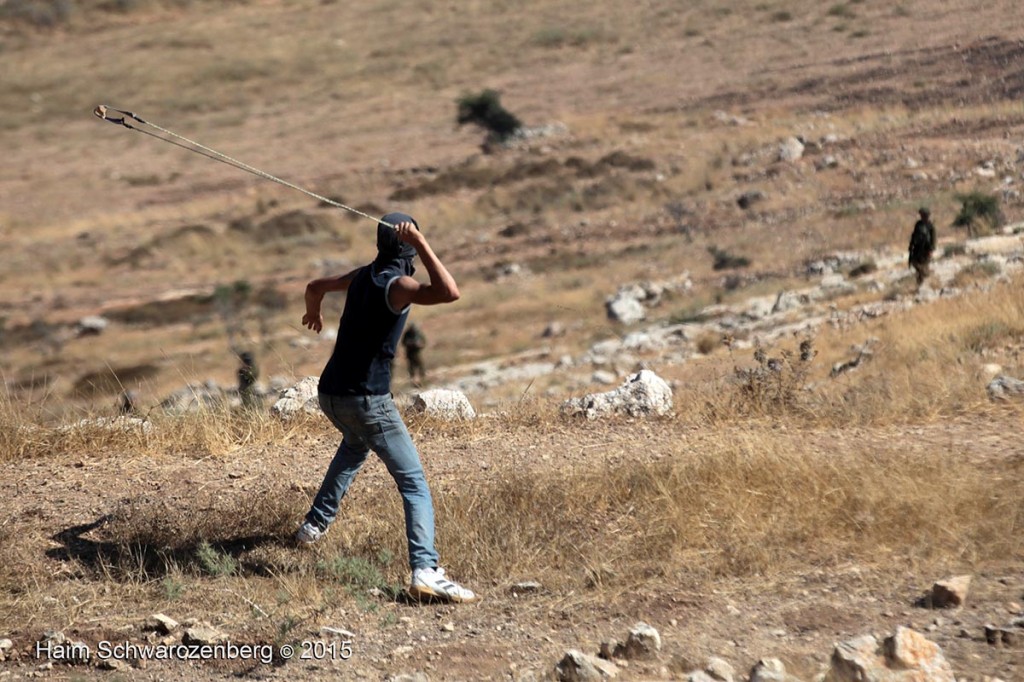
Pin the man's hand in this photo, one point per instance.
(314, 321)
(408, 233)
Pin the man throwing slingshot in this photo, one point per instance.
(355, 391)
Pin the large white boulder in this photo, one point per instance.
(443, 403)
(643, 394)
(299, 399)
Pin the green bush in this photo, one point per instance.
(484, 109)
(979, 213)
(215, 562)
(723, 260)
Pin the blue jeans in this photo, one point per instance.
(372, 422)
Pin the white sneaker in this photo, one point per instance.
(431, 583)
(308, 533)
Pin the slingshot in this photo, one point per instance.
(102, 111)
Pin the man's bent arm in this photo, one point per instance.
(442, 287)
(315, 292)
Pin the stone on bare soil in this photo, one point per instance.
(1004, 387)
(158, 622)
(643, 394)
(699, 676)
(610, 649)
(203, 634)
(443, 403)
(525, 587)
(643, 641)
(577, 666)
(951, 592)
(791, 149)
(906, 656)
(300, 398)
(1005, 637)
(719, 669)
(625, 309)
(770, 670)
(111, 664)
(91, 325)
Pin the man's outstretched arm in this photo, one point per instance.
(315, 291)
(441, 288)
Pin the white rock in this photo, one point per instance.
(791, 149)
(577, 666)
(699, 676)
(991, 369)
(91, 325)
(719, 669)
(202, 634)
(644, 641)
(165, 625)
(300, 398)
(625, 309)
(443, 403)
(642, 394)
(769, 670)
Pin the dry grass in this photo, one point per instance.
(749, 501)
(28, 433)
(763, 470)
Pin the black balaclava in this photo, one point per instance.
(393, 255)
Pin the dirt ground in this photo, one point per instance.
(919, 96)
(793, 616)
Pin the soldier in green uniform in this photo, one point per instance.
(922, 244)
(414, 341)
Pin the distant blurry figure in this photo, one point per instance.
(922, 244)
(129, 402)
(248, 373)
(414, 341)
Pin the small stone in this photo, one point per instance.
(525, 587)
(719, 669)
(699, 676)
(577, 666)
(644, 641)
(203, 635)
(768, 670)
(1010, 638)
(111, 664)
(448, 627)
(6, 644)
(329, 631)
(951, 592)
(158, 622)
(609, 649)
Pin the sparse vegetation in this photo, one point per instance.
(724, 260)
(979, 213)
(485, 109)
(775, 488)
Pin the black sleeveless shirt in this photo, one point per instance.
(368, 336)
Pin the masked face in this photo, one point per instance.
(392, 251)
